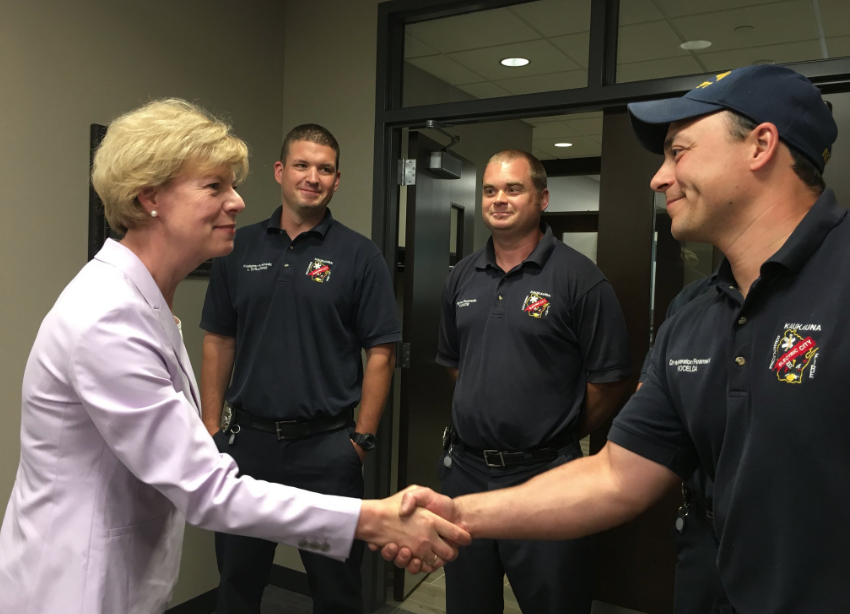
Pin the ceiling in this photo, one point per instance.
(583, 130)
(464, 51)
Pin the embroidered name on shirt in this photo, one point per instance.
(257, 267)
(466, 302)
(688, 365)
(319, 270)
(803, 326)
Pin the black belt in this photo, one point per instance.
(499, 458)
(291, 429)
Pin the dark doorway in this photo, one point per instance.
(433, 202)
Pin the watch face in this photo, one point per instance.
(365, 441)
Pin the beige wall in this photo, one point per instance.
(329, 68)
(65, 65)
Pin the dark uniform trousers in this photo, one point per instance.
(326, 463)
(547, 577)
(698, 588)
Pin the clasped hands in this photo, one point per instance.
(417, 529)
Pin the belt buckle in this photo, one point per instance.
(277, 428)
(498, 454)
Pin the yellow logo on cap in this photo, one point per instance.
(826, 155)
(705, 84)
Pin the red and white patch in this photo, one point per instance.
(537, 304)
(320, 270)
(795, 353)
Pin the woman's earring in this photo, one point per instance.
(153, 213)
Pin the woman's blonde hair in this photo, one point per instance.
(150, 146)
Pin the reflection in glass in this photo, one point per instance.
(675, 264)
(456, 235)
(561, 137)
(459, 58)
(739, 33)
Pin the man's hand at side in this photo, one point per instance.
(216, 368)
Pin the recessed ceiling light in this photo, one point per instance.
(760, 62)
(563, 144)
(515, 62)
(744, 29)
(694, 45)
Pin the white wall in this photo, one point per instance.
(580, 193)
(65, 65)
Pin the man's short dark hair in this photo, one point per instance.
(309, 132)
(740, 127)
(538, 173)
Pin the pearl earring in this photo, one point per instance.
(153, 213)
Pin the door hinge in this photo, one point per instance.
(407, 172)
(402, 355)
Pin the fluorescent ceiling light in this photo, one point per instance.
(563, 144)
(694, 45)
(515, 62)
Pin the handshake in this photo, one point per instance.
(416, 528)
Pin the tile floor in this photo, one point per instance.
(428, 598)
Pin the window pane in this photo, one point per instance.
(560, 137)
(724, 34)
(459, 58)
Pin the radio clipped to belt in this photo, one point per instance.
(227, 425)
(449, 440)
(682, 516)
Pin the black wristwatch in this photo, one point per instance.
(367, 441)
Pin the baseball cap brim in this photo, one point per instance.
(651, 120)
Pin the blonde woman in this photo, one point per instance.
(114, 456)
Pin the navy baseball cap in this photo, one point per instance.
(766, 93)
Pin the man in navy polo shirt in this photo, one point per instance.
(287, 314)
(535, 338)
(748, 381)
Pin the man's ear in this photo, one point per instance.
(765, 144)
(279, 168)
(544, 200)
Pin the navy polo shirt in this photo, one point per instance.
(756, 392)
(526, 343)
(301, 311)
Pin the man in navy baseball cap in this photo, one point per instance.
(772, 94)
(746, 381)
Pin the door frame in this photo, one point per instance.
(602, 92)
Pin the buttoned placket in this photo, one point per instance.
(286, 270)
(498, 308)
(500, 296)
(742, 336)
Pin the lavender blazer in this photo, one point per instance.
(115, 458)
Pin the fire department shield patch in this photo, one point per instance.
(319, 270)
(536, 304)
(794, 353)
